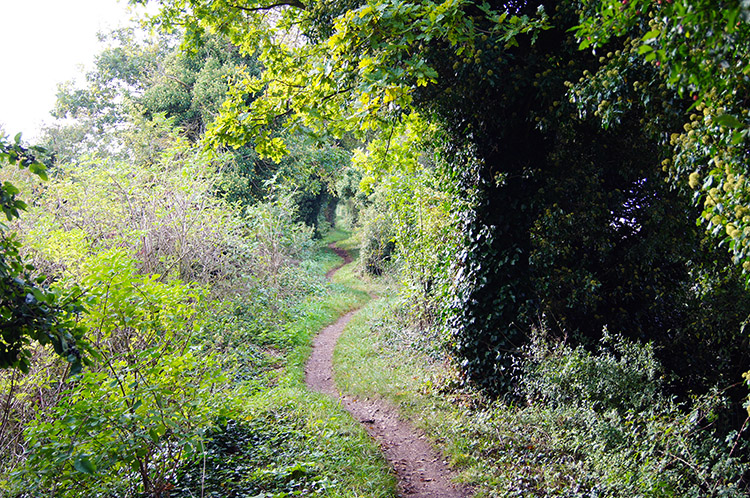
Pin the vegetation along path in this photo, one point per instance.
(421, 470)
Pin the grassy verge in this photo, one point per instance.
(377, 356)
(585, 423)
(364, 365)
(284, 440)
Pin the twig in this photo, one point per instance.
(739, 435)
(6, 410)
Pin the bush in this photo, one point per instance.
(275, 239)
(623, 376)
(123, 431)
(164, 213)
(601, 423)
(377, 235)
(124, 425)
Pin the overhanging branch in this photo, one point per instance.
(289, 3)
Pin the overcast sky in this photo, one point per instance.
(43, 43)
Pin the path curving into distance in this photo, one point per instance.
(421, 470)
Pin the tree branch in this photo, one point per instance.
(288, 3)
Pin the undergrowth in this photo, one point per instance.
(288, 443)
(283, 440)
(261, 433)
(581, 424)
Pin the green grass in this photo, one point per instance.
(324, 258)
(364, 367)
(286, 440)
(344, 239)
(378, 356)
(555, 449)
(374, 357)
(349, 459)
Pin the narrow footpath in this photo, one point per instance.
(421, 470)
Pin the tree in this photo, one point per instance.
(192, 86)
(565, 216)
(96, 113)
(697, 51)
(139, 85)
(29, 310)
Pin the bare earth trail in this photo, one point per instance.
(421, 470)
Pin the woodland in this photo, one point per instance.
(548, 207)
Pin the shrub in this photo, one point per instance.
(123, 431)
(274, 238)
(602, 419)
(377, 239)
(124, 425)
(623, 376)
(164, 213)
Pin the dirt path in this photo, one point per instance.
(421, 470)
(342, 254)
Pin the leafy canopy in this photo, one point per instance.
(357, 72)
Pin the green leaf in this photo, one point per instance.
(644, 49)
(38, 294)
(75, 365)
(83, 464)
(651, 35)
(154, 435)
(39, 169)
(731, 18)
(10, 189)
(729, 121)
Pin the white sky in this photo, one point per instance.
(43, 43)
